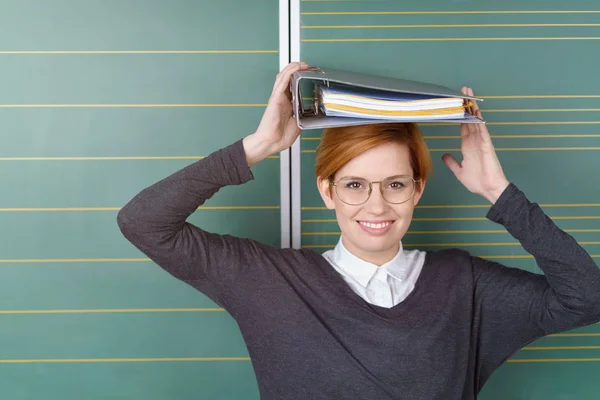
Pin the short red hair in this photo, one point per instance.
(340, 145)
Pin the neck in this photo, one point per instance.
(376, 257)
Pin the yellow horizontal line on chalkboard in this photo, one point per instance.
(450, 12)
(474, 244)
(577, 217)
(522, 110)
(457, 231)
(519, 123)
(538, 348)
(239, 207)
(108, 260)
(73, 260)
(590, 148)
(443, 26)
(138, 52)
(342, 1)
(57, 209)
(120, 360)
(407, 233)
(307, 208)
(511, 149)
(550, 136)
(553, 360)
(458, 39)
(131, 105)
(550, 96)
(576, 335)
(107, 158)
(525, 256)
(116, 310)
(468, 244)
(452, 232)
(512, 256)
(541, 136)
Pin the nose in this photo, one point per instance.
(376, 204)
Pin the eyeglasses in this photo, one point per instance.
(356, 191)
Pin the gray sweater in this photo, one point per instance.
(310, 336)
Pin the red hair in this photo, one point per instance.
(340, 145)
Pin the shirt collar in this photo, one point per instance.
(363, 271)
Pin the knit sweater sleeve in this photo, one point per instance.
(516, 307)
(155, 222)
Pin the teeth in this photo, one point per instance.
(374, 226)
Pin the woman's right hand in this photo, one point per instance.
(277, 130)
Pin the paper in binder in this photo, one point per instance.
(342, 98)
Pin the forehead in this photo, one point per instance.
(379, 162)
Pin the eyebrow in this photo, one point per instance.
(365, 179)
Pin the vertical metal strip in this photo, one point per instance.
(296, 206)
(284, 160)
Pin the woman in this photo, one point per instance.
(432, 325)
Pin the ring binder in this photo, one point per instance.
(343, 98)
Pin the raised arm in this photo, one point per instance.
(514, 307)
(155, 219)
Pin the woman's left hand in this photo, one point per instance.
(480, 170)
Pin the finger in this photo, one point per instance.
(283, 73)
(468, 108)
(477, 112)
(292, 65)
(484, 134)
(475, 105)
(283, 78)
(452, 164)
(282, 82)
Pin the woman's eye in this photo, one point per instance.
(354, 185)
(396, 185)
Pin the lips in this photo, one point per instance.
(376, 227)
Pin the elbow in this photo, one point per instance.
(137, 224)
(130, 223)
(595, 312)
(135, 230)
(570, 312)
(590, 314)
(124, 222)
(593, 302)
(587, 308)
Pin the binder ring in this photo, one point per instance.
(316, 69)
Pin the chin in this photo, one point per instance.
(376, 242)
(379, 246)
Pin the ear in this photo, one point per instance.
(325, 190)
(419, 193)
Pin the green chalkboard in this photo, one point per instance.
(100, 99)
(535, 65)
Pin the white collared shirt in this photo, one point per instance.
(384, 286)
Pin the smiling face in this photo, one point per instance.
(373, 230)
